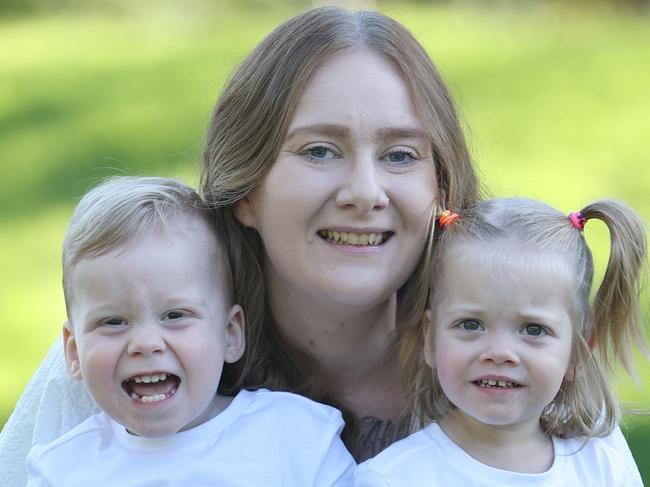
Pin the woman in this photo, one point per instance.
(329, 150)
(327, 154)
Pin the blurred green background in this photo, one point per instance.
(556, 96)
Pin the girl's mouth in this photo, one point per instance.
(354, 238)
(151, 387)
(494, 383)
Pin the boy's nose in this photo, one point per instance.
(146, 340)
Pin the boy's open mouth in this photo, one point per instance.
(352, 238)
(493, 383)
(152, 387)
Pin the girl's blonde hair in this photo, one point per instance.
(608, 325)
(248, 127)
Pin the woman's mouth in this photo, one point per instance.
(149, 388)
(355, 238)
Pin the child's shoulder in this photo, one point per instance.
(58, 450)
(405, 457)
(289, 406)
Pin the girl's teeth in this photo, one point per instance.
(147, 379)
(496, 383)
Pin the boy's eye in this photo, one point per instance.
(533, 330)
(173, 315)
(115, 321)
(470, 325)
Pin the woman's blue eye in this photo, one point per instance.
(318, 153)
(401, 156)
(533, 330)
(470, 325)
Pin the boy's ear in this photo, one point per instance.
(427, 336)
(70, 351)
(244, 212)
(235, 336)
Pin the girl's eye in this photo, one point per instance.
(533, 330)
(401, 156)
(470, 325)
(173, 315)
(318, 153)
(115, 321)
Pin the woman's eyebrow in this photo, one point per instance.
(321, 129)
(401, 133)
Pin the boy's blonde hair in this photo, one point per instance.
(123, 208)
(607, 326)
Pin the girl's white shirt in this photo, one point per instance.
(430, 458)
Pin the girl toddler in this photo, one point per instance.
(515, 386)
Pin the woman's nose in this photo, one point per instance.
(146, 340)
(362, 188)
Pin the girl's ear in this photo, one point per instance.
(427, 336)
(235, 336)
(243, 210)
(70, 351)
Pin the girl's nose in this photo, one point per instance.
(500, 350)
(362, 188)
(146, 340)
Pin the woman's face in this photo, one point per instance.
(343, 211)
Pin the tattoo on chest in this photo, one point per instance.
(376, 434)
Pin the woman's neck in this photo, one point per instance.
(355, 348)
(518, 448)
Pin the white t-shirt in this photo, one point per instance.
(262, 438)
(429, 458)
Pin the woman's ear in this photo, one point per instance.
(427, 336)
(235, 336)
(243, 210)
(70, 351)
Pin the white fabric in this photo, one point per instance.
(51, 404)
(262, 439)
(429, 458)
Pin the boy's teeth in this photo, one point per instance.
(350, 238)
(147, 379)
(154, 398)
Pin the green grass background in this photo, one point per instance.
(557, 103)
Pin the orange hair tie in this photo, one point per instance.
(446, 218)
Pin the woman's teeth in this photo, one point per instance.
(351, 238)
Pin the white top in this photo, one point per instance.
(262, 438)
(430, 458)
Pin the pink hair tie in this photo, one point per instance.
(578, 220)
(446, 218)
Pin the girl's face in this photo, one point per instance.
(502, 334)
(344, 209)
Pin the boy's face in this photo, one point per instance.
(501, 335)
(150, 328)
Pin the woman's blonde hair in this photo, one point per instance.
(607, 326)
(249, 125)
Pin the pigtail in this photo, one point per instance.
(617, 324)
